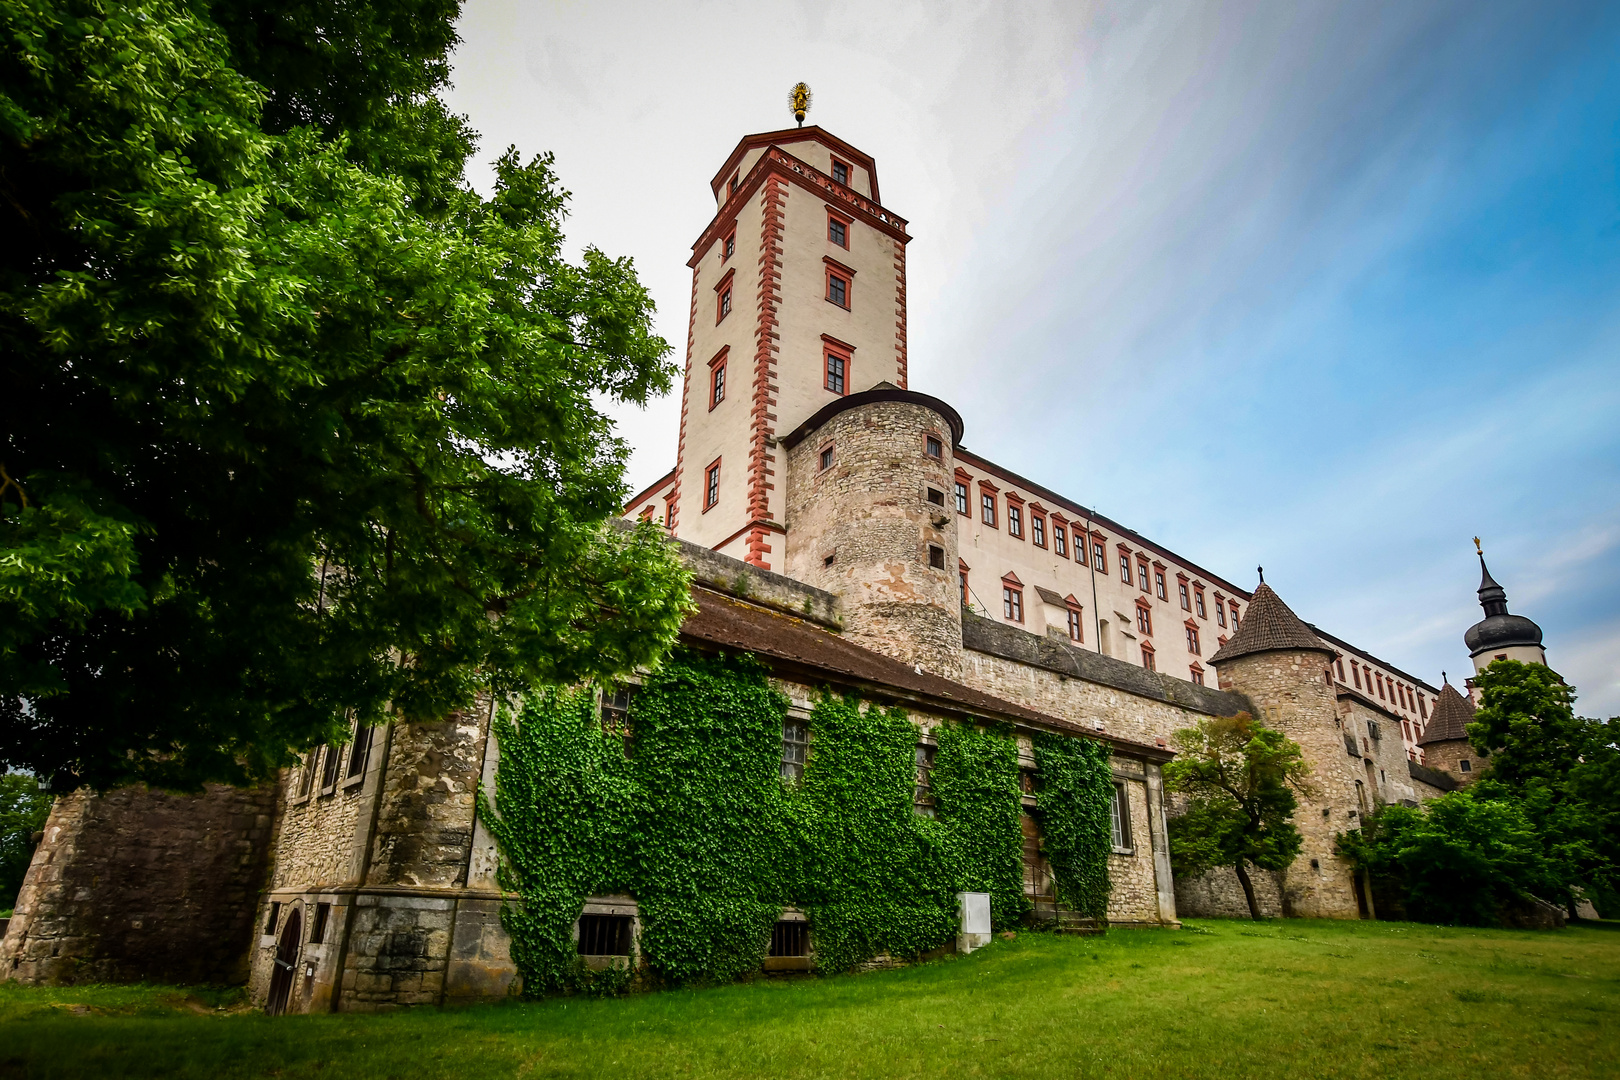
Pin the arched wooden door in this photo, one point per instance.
(286, 965)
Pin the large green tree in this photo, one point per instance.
(1562, 770)
(1241, 780)
(297, 425)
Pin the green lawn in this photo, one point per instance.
(1286, 999)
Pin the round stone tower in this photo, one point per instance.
(870, 518)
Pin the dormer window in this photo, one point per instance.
(840, 171)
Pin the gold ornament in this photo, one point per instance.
(799, 101)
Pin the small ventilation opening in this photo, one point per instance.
(1465, 766)
(828, 561)
(936, 496)
(790, 938)
(936, 556)
(317, 933)
(604, 935)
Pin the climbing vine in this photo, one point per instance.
(1075, 801)
(697, 824)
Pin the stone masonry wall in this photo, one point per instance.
(1448, 757)
(862, 529)
(1289, 693)
(1134, 892)
(140, 885)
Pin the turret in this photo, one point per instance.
(1500, 635)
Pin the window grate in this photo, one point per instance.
(604, 935)
(790, 938)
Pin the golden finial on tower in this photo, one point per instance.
(1477, 547)
(799, 101)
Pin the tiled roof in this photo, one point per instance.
(1269, 626)
(1051, 597)
(818, 654)
(1449, 722)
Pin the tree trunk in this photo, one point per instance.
(1248, 890)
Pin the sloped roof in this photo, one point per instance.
(734, 624)
(1269, 626)
(1051, 597)
(1449, 722)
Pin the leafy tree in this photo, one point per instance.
(1562, 770)
(298, 425)
(1457, 860)
(1241, 780)
(23, 810)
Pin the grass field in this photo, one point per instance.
(1217, 999)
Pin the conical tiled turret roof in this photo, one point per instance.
(1452, 714)
(1269, 626)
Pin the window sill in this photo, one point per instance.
(1123, 850)
(836, 304)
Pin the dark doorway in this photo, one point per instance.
(286, 965)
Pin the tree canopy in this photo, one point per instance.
(299, 427)
(1241, 780)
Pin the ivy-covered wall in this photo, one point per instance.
(699, 827)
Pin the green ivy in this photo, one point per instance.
(699, 826)
(1075, 800)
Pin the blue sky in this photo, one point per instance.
(1328, 288)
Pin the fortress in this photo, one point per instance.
(838, 529)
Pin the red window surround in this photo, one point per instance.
(1124, 564)
(1144, 617)
(711, 486)
(838, 360)
(722, 296)
(1099, 552)
(1338, 663)
(1060, 540)
(1196, 670)
(1192, 638)
(717, 377)
(1147, 656)
(1381, 685)
(1198, 600)
(1012, 598)
(1015, 514)
(1423, 709)
(1037, 525)
(987, 503)
(728, 246)
(962, 569)
(1355, 671)
(838, 226)
(1183, 592)
(1220, 609)
(1077, 622)
(669, 512)
(840, 283)
(1159, 588)
(840, 171)
(1236, 622)
(1142, 575)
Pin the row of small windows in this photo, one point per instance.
(1388, 689)
(1150, 579)
(332, 764)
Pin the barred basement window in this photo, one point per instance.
(795, 745)
(615, 715)
(936, 557)
(604, 935)
(317, 928)
(1121, 818)
(790, 937)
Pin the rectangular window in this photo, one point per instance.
(1355, 670)
(837, 232)
(669, 514)
(1235, 622)
(987, 508)
(358, 750)
(728, 246)
(724, 305)
(790, 937)
(329, 767)
(840, 171)
(1381, 687)
(961, 498)
(1012, 603)
(306, 781)
(837, 372)
(717, 385)
(962, 575)
(936, 497)
(827, 457)
(1220, 612)
(838, 290)
(1147, 658)
(1158, 585)
(1144, 619)
(1060, 541)
(936, 557)
(317, 929)
(711, 486)
(1121, 816)
(1339, 664)
(604, 935)
(1142, 577)
(933, 447)
(1423, 709)
(1015, 520)
(923, 794)
(731, 188)
(275, 917)
(614, 711)
(1099, 557)
(1037, 530)
(1077, 627)
(1198, 601)
(1186, 600)
(1465, 765)
(1124, 566)
(795, 745)
(1197, 676)
(1192, 641)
